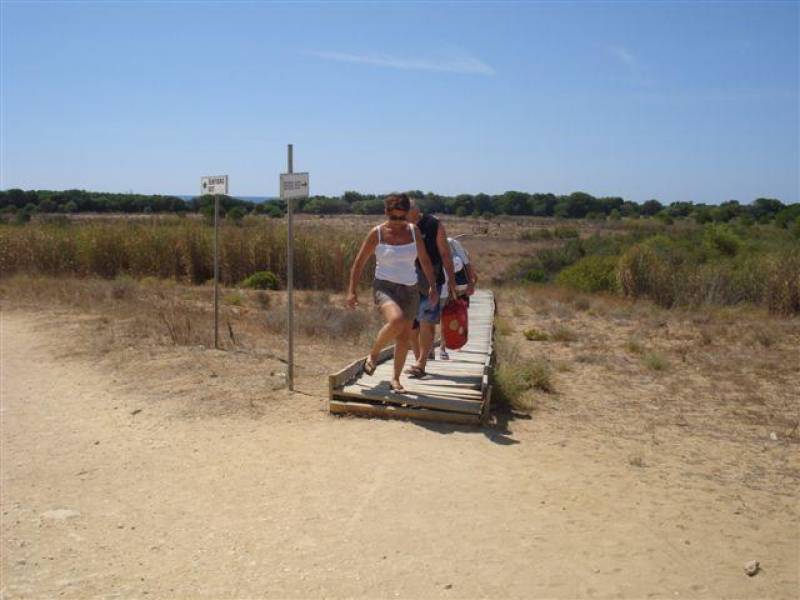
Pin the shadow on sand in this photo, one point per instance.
(497, 431)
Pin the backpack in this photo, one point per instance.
(455, 325)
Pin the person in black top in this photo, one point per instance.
(435, 238)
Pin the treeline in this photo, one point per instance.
(578, 205)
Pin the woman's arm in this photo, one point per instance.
(447, 259)
(473, 278)
(367, 249)
(427, 267)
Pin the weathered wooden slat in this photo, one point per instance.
(419, 387)
(453, 404)
(398, 412)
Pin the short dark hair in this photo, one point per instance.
(397, 202)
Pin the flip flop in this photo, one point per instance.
(415, 372)
(368, 366)
(396, 390)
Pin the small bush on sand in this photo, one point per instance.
(534, 335)
(515, 375)
(233, 299)
(261, 280)
(591, 274)
(535, 275)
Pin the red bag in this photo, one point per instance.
(455, 325)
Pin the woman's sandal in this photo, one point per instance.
(415, 372)
(396, 388)
(369, 366)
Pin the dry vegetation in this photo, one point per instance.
(711, 368)
(642, 372)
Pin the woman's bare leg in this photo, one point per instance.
(394, 323)
(413, 337)
(401, 351)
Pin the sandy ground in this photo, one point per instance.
(114, 488)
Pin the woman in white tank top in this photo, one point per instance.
(396, 244)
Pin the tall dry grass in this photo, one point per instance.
(179, 249)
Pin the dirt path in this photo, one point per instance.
(100, 500)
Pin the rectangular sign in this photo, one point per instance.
(216, 184)
(294, 185)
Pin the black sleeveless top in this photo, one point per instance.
(429, 227)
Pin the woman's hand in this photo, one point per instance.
(352, 300)
(453, 290)
(433, 295)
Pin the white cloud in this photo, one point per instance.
(624, 56)
(460, 64)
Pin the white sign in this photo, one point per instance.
(294, 185)
(216, 184)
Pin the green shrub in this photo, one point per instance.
(642, 273)
(534, 335)
(515, 375)
(535, 275)
(262, 280)
(721, 239)
(236, 214)
(564, 233)
(533, 235)
(591, 274)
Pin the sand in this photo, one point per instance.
(111, 489)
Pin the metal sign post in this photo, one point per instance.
(216, 272)
(215, 185)
(293, 185)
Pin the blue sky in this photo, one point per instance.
(668, 100)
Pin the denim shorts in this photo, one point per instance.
(429, 313)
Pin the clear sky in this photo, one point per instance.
(668, 100)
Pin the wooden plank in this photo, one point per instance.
(355, 368)
(398, 412)
(416, 387)
(452, 404)
(487, 406)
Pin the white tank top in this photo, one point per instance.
(395, 263)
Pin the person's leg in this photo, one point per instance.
(428, 318)
(426, 331)
(413, 338)
(393, 316)
(443, 347)
(400, 352)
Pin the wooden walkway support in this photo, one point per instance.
(456, 391)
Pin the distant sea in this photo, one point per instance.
(248, 198)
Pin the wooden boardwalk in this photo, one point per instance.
(456, 390)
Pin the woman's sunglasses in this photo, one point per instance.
(396, 217)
